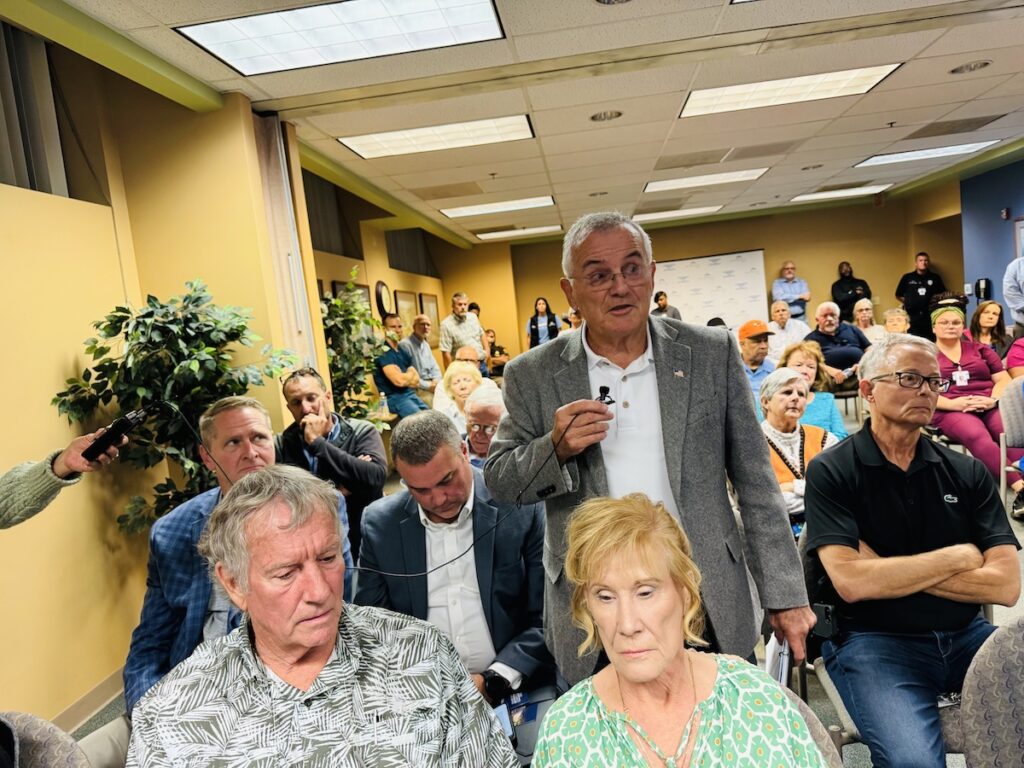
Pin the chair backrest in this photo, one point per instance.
(818, 731)
(42, 744)
(992, 706)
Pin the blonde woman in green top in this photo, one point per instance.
(658, 703)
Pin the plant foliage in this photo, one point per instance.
(179, 353)
(352, 347)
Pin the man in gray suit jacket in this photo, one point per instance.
(485, 586)
(676, 423)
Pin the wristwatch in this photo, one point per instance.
(496, 687)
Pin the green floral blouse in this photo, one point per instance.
(746, 721)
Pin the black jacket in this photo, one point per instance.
(338, 462)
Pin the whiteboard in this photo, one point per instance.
(729, 286)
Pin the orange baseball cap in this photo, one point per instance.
(754, 328)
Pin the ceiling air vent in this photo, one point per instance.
(847, 185)
(947, 127)
(662, 205)
(446, 191)
(762, 150)
(690, 160)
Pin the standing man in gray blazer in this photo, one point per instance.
(677, 421)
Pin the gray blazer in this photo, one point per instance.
(508, 568)
(712, 435)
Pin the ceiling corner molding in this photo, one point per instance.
(323, 166)
(986, 161)
(79, 32)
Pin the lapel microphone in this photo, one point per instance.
(603, 396)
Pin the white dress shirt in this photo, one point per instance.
(454, 604)
(633, 450)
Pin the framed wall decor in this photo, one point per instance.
(428, 307)
(320, 288)
(1018, 237)
(405, 308)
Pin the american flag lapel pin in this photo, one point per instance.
(679, 374)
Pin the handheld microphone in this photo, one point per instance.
(121, 427)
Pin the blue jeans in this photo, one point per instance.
(890, 683)
(406, 404)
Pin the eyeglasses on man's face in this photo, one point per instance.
(634, 273)
(912, 380)
(487, 429)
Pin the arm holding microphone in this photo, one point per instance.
(28, 488)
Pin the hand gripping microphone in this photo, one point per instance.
(121, 427)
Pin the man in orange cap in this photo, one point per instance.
(754, 349)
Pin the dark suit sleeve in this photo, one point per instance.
(364, 478)
(346, 553)
(149, 655)
(372, 588)
(774, 562)
(526, 652)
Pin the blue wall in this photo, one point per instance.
(988, 240)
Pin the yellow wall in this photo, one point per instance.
(485, 275)
(195, 203)
(72, 583)
(185, 202)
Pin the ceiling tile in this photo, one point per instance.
(609, 87)
(609, 137)
(646, 109)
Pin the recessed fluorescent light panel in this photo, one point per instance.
(680, 214)
(839, 193)
(435, 137)
(345, 31)
(508, 233)
(507, 205)
(704, 181)
(927, 154)
(770, 93)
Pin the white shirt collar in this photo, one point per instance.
(467, 510)
(594, 359)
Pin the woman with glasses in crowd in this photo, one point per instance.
(864, 319)
(967, 412)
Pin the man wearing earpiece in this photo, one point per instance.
(182, 608)
(489, 602)
(681, 426)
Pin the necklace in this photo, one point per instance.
(681, 759)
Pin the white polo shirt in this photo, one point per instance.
(633, 450)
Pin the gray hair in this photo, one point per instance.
(485, 397)
(590, 223)
(226, 538)
(883, 354)
(417, 438)
(861, 302)
(896, 312)
(459, 295)
(824, 304)
(779, 378)
(778, 301)
(207, 429)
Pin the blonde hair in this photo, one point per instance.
(602, 528)
(811, 349)
(459, 367)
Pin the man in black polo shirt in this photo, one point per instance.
(915, 291)
(908, 539)
(841, 344)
